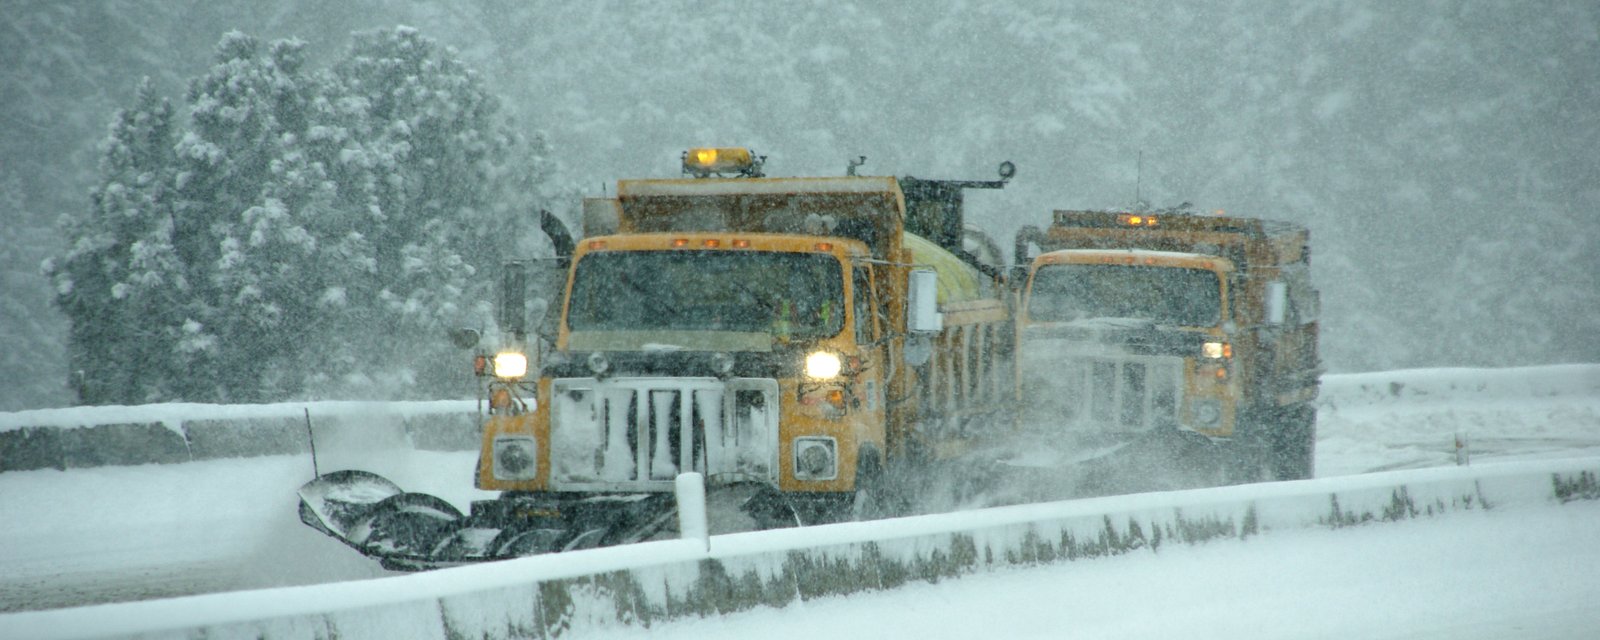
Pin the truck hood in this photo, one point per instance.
(666, 341)
(653, 354)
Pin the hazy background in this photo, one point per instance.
(1446, 155)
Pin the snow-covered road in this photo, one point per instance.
(116, 533)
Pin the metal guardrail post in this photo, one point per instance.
(692, 525)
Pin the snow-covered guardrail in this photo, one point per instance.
(80, 437)
(572, 593)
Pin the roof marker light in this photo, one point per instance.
(703, 162)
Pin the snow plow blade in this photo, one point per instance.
(416, 531)
(372, 515)
(335, 503)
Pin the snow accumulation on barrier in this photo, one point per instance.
(569, 594)
(82, 437)
(176, 413)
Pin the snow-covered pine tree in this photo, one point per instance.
(310, 235)
(421, 161)
(239, 221)
(119, 280)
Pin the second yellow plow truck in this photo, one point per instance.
(1188, 333)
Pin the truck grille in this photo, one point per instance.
(637, 434)
(1123, 393)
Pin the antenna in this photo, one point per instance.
(1138, 177)
(311, 436)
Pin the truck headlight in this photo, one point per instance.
(510, 364)
(516, 458)
(1216, 350)
(815, 459)
(822, 365)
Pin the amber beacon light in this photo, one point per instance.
(704, 162)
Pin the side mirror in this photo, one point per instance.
(1277, 302)
(514, 300)
(922, 309)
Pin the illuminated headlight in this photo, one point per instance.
(510, 364)
(598, 363)
(815, 459)
(1207, 413)
(1216, 350)
(822, 365)
(516, 458)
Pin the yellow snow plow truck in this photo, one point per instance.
(792, 340)
(1194, 332)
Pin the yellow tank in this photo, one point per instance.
(958, 281)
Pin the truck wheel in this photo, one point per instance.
(1294, 443)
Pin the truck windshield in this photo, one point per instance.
(1164, 295)
(796, 295)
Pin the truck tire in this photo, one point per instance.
(1294, 443)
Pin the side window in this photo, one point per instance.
(861, 281)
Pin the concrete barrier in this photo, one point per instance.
(82, 437)
(572, 594)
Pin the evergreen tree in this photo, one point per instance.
(119, 278)
(422, 163)
(311, 235)
(250, 114)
